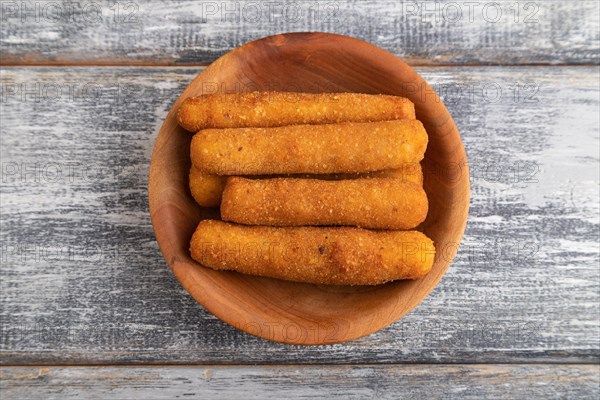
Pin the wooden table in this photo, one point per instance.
(89, 307)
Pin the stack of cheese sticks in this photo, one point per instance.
(319, 188)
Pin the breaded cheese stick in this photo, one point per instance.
(376, 203)
(207, 189)
(331, 255)
(264, 109)
(312, 149)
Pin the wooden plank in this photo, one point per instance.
(187, 32)
(83, 281)
(304, 382)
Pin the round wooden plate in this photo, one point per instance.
(300, 313)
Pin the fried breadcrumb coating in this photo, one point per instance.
(351, 147)
(206, 189)
(333, 256)
(264, 109)
(377, 203)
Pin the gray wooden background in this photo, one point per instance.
(89, 307)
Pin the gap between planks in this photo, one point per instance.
(591, 363)
(135, 64)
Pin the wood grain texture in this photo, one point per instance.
(83, 280)
(304, 382)
(197, 32)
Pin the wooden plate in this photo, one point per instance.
(294, 312)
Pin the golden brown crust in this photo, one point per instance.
(206, 189)
(314, 149)
(335, 256)
(377, 203)
(267, 109)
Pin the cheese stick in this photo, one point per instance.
(332, 255)
(309, 149)
(264, 109)
(377, 203)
